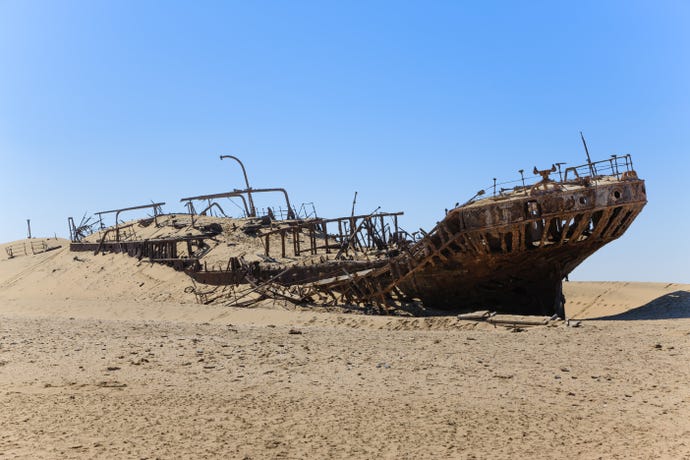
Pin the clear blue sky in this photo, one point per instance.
(415, 105)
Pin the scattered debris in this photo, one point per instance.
(111, 384)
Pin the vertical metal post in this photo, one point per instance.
(560, 175)
(312, 238)
(117, 226)
(589, 160)
(155, 216)
(28, 223)
(325, 236)
(295, 241)
(383, 230)
(614, 164)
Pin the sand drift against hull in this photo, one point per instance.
(506, 249)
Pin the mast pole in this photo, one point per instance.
(589, 160)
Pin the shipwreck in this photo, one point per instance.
(506, 249)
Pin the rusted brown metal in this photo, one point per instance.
(155, 207)
(511, 252)
(249, 211)
(85, 228)
(252, 209)
(371, 228)
(29, 247)
(508, 251)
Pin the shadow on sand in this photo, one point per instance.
(670, 306)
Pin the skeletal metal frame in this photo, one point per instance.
(155, 206)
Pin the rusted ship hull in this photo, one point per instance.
(512, 254)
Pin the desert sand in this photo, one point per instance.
(104, 356)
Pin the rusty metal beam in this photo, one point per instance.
(251, 212)
(154, 206)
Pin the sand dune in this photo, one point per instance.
(73, 279)
(109, 357)
(622, 299)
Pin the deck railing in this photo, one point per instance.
(615, 166)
